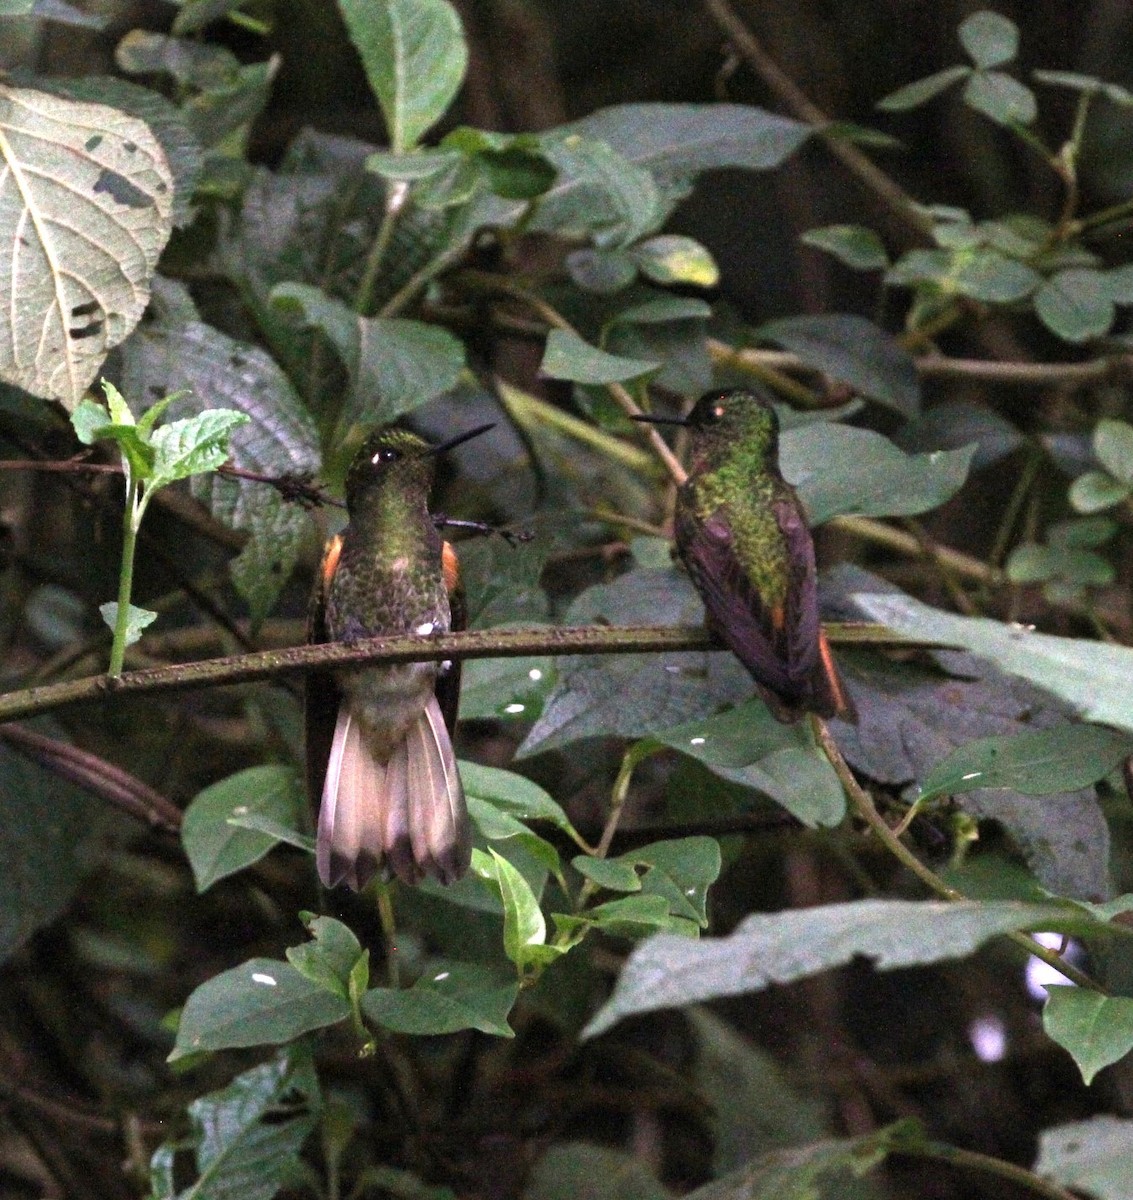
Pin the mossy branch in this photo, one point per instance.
(486, 643)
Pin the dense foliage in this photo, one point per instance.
(698, 949)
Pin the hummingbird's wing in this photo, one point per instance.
(322, 694)
(777, 643)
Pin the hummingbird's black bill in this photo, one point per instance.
(460, 439)
(650, 419)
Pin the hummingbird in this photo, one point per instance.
(379, 739)
(742, 535)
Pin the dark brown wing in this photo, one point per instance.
(448, 682)
(322, 694)
(778, 644)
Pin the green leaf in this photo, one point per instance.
(415, 56)
(214, 847)
(613, 874)
(767, 948)
(275, 831)
(82, 231)
(567, 356)
(525, 930)
(1095, 491)
(138, 620)
(821, 1170)
(598, 193)
(512, 794)
(1091, 1156)
(746, 745)
(1096, 1030)
(662, 310)
(855, 246)
(986, 274)
(1093, 677)
(1061, 759)
(989, 38)
(395, 365)
(680, 871)
(1076, 305)
(247, 1136)
(920, 91)
(855, 351)
(193, 445)
(838, 469)
(261, 1002)
(631, 917)
(448, 997)
(331, 957)
(1084, 533)
(601, 271)
(1030, 563)
(1089, 84)
(1001, 98)
(674, 258)
(51, 839)
(590, 1171)
(497, 826)
(88, 419)
(279, 439)
(415, 166)
(1113, 446)
(632, 695)
(673, 143)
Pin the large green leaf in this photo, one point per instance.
(1093, 1156)
(280, 439)
(395, 365)
(1094, 677)
(748, 746)
(767, 948)
(674, 143)
(247, 1136)
(632, 695)
(567, 356)
(1062, 759)
(589, 1171)
(1096, 1029)
(448, 997)
(854, 350)
(86, 204)
(414, 55)
(262, 1001)
(838, 469)
(214, 847)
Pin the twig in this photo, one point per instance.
(989, 1165)
(95, 775)
(886, 189)
(862, 804)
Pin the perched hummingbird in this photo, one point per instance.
(379, 739)
(741, 533)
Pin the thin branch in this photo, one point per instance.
(861, 802)
(939, 366)
(95, 775)
(478, 643)
(886, 189)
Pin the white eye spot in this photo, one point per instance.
(424, 629)
(971, 775)
(442, 975)
(672, 670)
(514, 708)
(696, 741)
(535, 674)
(239, 810)
(259, 977)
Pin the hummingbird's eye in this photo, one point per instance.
(386, 454)
(716, 412)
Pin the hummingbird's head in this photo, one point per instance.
(397, 458)
(730, 421)
(390, 457)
